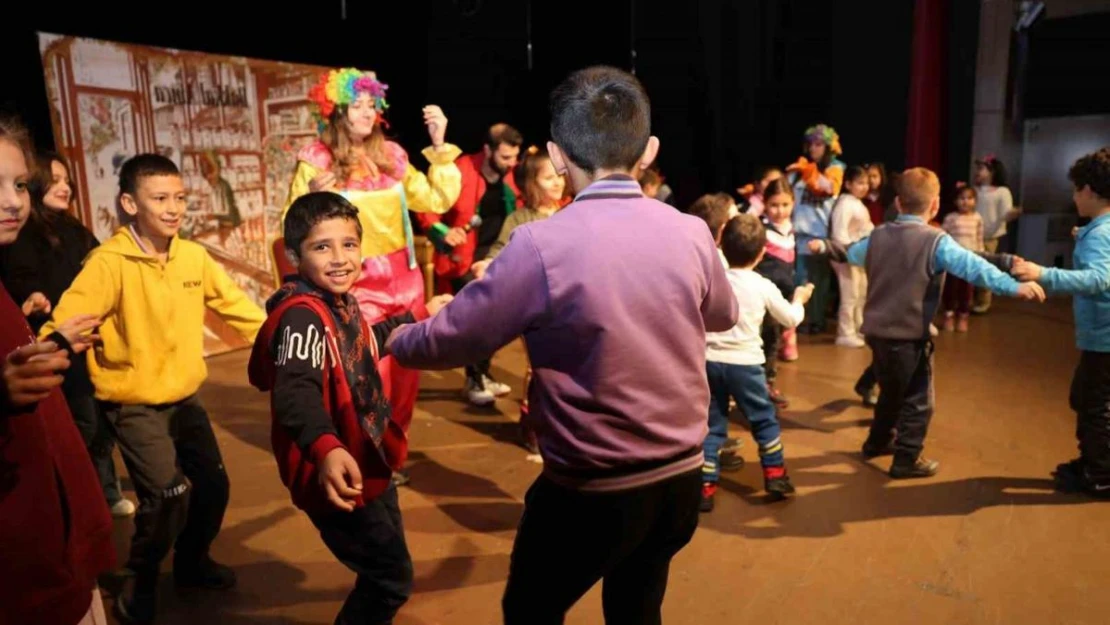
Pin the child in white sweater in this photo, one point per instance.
(851, 222)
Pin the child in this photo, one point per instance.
(850, 222)
(753, 193)
(152, 290)
(613, 295)
(880, 193)
(778, 267)
(735, 359)
(55, 529)
(1089, 283)
(816, 178)
(906, 261)
(333, 437)
(544, 192)
(995, 204)
(966, 227)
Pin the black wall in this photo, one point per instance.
(733, 82)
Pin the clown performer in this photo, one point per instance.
(352, 157)
(816, 178)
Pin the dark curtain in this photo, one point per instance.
(925, 127)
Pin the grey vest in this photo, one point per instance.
(903, 286)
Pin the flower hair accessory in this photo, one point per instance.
(960, 184)
(827, 134)
(341, 87)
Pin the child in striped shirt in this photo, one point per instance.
(966, 227)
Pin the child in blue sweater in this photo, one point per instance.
(1089, 283)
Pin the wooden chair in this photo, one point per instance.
(282, 266)
(425, 257)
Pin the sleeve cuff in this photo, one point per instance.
(58, 339)
(444, 156)
(420, 311)
(322, 446)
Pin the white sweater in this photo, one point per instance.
(742, 345)
(850, 220)
(993, 203)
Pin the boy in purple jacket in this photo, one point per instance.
(613, 295)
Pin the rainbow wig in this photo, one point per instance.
(825, 133)
(341, 87)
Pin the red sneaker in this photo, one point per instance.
(708, 489)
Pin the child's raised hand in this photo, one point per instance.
(803, 293)
(438, 303)
(1031, 291)
(1026, 271)
(37, 302)
(816, 246)
(341, 478)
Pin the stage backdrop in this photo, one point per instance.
(233, 125)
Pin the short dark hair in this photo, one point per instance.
(712, 208)
(743, 239)
(503, 133)
(142, 166)
(854, 172)
(601, 118)
(309, 210)
(1093, 170)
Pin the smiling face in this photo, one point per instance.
(58, 195)
(361, 117)
(331, 255)
(157, 205)
(858, 187)
(15, 199)
(550, 182)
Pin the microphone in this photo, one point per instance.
(438, 233)
(475, 222)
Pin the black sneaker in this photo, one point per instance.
(779, 486)
(871, 450)
(708, 490)
(867, 395)
(730, 461)
(137, 601)
(923, 467)
(207, 574)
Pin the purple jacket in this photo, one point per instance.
(613, 295)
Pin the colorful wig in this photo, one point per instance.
(341, 87)
(827, 134)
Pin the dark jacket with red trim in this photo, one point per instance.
(473, 188)
(55, 529)
(318, 359)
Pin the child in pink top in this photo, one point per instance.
(965, 225)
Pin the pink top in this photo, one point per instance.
(319, 156)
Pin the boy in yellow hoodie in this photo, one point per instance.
(152, 289)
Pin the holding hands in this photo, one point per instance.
(438, 303)
(479, 268)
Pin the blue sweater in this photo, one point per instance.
(1089, 282)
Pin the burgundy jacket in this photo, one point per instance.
(473, 188)
(55, 528)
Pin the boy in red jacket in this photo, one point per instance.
(332, 435)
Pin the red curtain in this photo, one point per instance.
(926, 130)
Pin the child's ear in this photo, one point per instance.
(128, 204)
(650, 152)
(292, 257)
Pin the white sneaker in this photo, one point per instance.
(497, 388)
(850, 341)
(933, 331)
(123, 508)
(477, 394)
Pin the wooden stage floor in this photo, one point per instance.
(986, 541)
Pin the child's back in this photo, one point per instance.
(755, 295)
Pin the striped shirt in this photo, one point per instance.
(966, 229)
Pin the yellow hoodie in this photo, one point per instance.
(152, 349)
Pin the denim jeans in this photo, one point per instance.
(747, 384)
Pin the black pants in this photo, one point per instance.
(371, 542)
(771, 333)
(904, 370)
(1090, 399)
(175, 464)
(568, 540)
(866, 381)
(97, 434)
